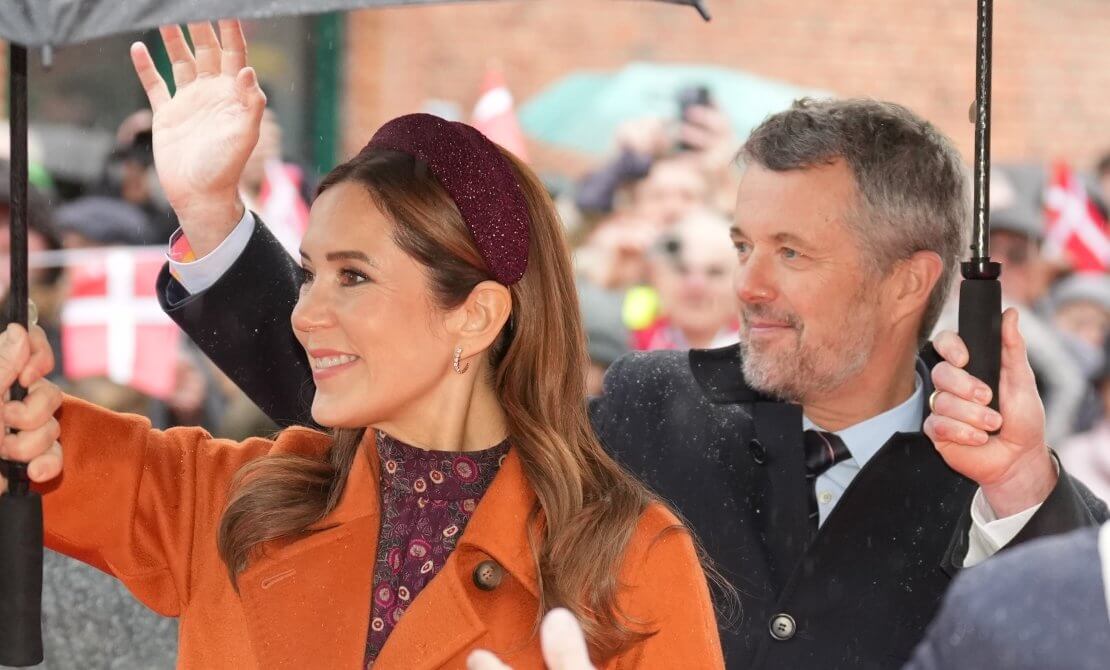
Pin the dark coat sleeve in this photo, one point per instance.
(1069, 506)
(242, 324)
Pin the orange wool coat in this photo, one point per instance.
(145, 505)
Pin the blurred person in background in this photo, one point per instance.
(1081, 308)
(274, 188)
(129, 176)
(1102, 177)
(606, 336)
(1087, 455)
(47, 290)
(692, 267)
(1081, 314)
(100, 221)
(1040, 606)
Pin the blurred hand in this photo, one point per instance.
(621, 244)
(205, 132)
(1014, 467)
(28, 359)
(561, 641)
(646, 136)
(709, 132)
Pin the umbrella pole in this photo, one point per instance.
(980, 292)
(20, 507)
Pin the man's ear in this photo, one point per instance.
(476, 324)
(912, 283)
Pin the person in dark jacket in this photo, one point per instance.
(835, 476)
(1040, 607)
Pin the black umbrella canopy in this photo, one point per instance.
(36, 23)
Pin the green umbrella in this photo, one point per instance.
(582, 111)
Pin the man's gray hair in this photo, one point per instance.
(912, 183)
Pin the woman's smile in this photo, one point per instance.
(327, 363)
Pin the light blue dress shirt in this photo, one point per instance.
(864, 440)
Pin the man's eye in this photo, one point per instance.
(790, 254)
(742, 247)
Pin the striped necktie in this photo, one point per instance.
(823, 450)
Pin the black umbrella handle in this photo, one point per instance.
(981, 330)
(20, 507)
(20, 580)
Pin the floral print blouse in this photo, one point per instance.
(427, 499)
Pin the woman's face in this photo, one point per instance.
(377, 344)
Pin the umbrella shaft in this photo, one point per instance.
(16, 473)
(980, 241)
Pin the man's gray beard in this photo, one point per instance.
(804, 372)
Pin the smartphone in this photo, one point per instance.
(688, 97)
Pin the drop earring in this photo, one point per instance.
(458, 359)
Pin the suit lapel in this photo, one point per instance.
(783, 513)
(318, 588)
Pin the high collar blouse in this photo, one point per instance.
(427, 499)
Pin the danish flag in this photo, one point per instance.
(1074, 228)
(495, 117)
(113, 326)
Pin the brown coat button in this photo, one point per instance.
(488, 574)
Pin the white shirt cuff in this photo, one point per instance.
(199, 275)
(988, 533)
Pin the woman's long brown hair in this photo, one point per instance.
(588, 506)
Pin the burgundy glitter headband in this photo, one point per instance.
(478, 178)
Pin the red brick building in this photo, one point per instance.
(1051, 81)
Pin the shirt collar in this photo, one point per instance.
(865, 438)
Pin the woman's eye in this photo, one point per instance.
(306, 276)
(349, 277)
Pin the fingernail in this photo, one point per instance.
(993, 420)
(983, 394)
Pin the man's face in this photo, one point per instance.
(672, 189)
(810, 307)
(1084, 319)
(1024, 275)
(694, 278)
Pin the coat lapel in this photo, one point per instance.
(318, 588)
(777, 499)
(442, 621)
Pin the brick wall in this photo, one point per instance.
(1050, 88)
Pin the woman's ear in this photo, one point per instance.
(476, 323)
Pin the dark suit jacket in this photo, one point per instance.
(728, 458)
(1039, 607)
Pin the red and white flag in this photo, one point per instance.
(113, 326)
(281, 207)
(495, 116)
(1075, 230)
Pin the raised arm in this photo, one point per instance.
(203, 136)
